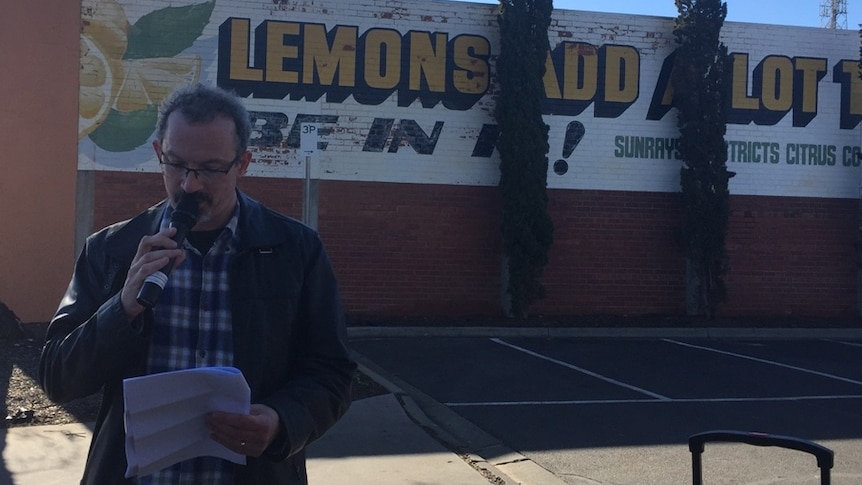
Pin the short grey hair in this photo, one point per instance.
(200, 103)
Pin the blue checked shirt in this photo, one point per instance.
(192, 328)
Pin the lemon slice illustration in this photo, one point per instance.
(98, 86)
(127, 71)
(148, 82)
(104, 31)
(106, 23)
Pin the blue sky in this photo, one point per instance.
(783, 12)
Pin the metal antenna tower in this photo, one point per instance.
(833, 14)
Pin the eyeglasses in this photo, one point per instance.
(179, 170)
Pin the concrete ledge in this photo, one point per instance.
(476, 447)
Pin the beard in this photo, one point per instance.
(204, 203)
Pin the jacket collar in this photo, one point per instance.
(259, 227)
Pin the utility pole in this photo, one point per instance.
(833, 14)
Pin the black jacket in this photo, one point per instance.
(288, 330)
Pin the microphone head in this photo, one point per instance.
(186, 211)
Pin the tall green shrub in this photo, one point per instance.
(701, 81)
(523, 146)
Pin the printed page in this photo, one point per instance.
(165, 412)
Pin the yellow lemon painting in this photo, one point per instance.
(128, 70)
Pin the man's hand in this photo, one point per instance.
(154, 252)
(249, 434)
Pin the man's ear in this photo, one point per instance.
(244, 161)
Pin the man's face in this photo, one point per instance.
(209, 148)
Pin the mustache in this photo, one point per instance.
(199, 197)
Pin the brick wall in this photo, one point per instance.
(416, 250)
(614, 253)
(793, 256)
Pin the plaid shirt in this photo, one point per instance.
(192, 328)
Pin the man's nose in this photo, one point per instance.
(191, 182)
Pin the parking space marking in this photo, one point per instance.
(765, 361)
(646, 401)
(851, 344)
(656, 396)
(653, 396)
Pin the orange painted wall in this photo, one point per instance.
(38, 129)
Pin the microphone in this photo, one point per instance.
(184, 217)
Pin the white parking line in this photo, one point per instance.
(851, 344)
(764, 361)
(663, 401)
(658, 397)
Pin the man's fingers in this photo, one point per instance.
(249, 434)
(154, 252)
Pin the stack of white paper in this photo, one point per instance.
(165, 415)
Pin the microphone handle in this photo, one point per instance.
(155, 283)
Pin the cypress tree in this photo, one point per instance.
(523, 146)
(700, 80)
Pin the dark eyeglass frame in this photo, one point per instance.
(200, 173)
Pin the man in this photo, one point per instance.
(249, 288)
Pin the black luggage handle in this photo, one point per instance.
(825, 456)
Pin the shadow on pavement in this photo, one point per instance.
(27, 408)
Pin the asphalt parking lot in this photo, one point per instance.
(620, 410)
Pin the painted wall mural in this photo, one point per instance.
(128, 69)
(404, 91)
